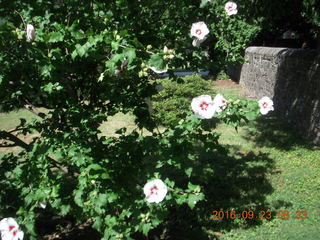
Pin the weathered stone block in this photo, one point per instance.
(291, 77)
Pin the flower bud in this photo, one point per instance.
(31, 34)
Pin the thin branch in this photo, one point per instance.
(139, 50)
(25, 25)
(33, 109)
(18, 142)
(8, 136)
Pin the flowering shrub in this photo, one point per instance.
(173, 103)
(85, 61)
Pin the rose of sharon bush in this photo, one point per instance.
(155, 191)
(266, 105)
(31, 34)
(220, 103)
(203, 107)
(9, 229)
(231, 8)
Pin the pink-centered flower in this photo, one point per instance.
(231, 8)
(9, 230)
(220, 103)
(199, 30)
(266, 105)
(203, 107)
(155, 191)
(31, 34)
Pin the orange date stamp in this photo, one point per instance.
(250, 214)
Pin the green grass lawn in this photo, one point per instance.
(294, 178)
(270, 167)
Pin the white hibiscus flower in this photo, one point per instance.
(231, 8)
(155, 191)
(199, 30)
(203, 107)
(266, 105)
(9, 230)
(220, 103)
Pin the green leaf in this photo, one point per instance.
(56, 37)
(94, 166)
(130, 53)
(102, 199)
(188, 171)
(115, 45)
(251, 115)
(112, 197)
(146, 228)
(81, 50)
(78, 35)
(156, 61)
(97, 223)
(65, 209)
(78, 197)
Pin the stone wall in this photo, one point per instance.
(291, 77)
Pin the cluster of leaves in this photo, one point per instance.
(173, 103)
(311, 12)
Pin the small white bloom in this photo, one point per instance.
(158, 71)
(220, 103)
(165, 49)
(196, 42)
(31, 34)
(266, 105)
(231, 8)
(199, 30)
(155, 191)
(9, 230)
(203, 107)
(43, 205)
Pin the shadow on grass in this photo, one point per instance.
(239, 183)
(270, 131)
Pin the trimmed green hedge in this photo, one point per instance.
(171, 104)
